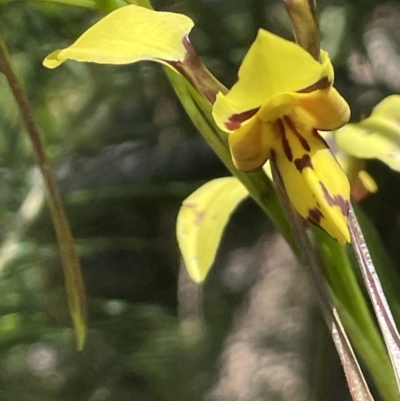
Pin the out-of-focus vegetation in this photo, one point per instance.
(125, 156)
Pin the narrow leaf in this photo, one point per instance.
(355, 312)
(71, 264)
(202, 220)
(376, 294)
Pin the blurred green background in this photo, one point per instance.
(126, 156)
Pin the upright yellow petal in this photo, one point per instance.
(271, 67)
(316, 185)
(323, 109)
(127, 35)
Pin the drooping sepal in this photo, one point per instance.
(133, 33)
(201, 222)
(127, 35)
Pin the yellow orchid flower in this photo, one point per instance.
(283, 96)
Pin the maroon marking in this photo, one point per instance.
(198, 214)
(335, 200)
(285, 143)
(319, 137)
(235, 120)
(193, 69)
(315, 216)
(331, 144)
(323, 83)
(303, 163)
(303, 141)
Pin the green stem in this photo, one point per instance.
(356, 314)
(70, 259)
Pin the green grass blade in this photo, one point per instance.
(377, 296)
(69, 256)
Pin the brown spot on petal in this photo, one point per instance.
(323, 83)
(300, 137)
(303, 162)
(285, 143)
(198, 214)
(315, 216)
(335, 200)
(319, 137)
(235, 120)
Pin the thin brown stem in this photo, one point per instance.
(70, 259)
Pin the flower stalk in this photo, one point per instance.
(305, 25)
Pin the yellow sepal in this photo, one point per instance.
(127, 35)
(202, 220)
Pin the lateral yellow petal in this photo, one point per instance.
(202, 220)
(127, 35)
(271, 67)
(316, 185)
(323, 109)
(250, 145)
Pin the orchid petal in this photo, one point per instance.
(376, 137)
(388, 108)
(323, 109)
(202, 220)
(382, 141)
(271, 67)
(367, 181)
(127, 35)
(278, 106)
(316, 185)
(250, 145)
